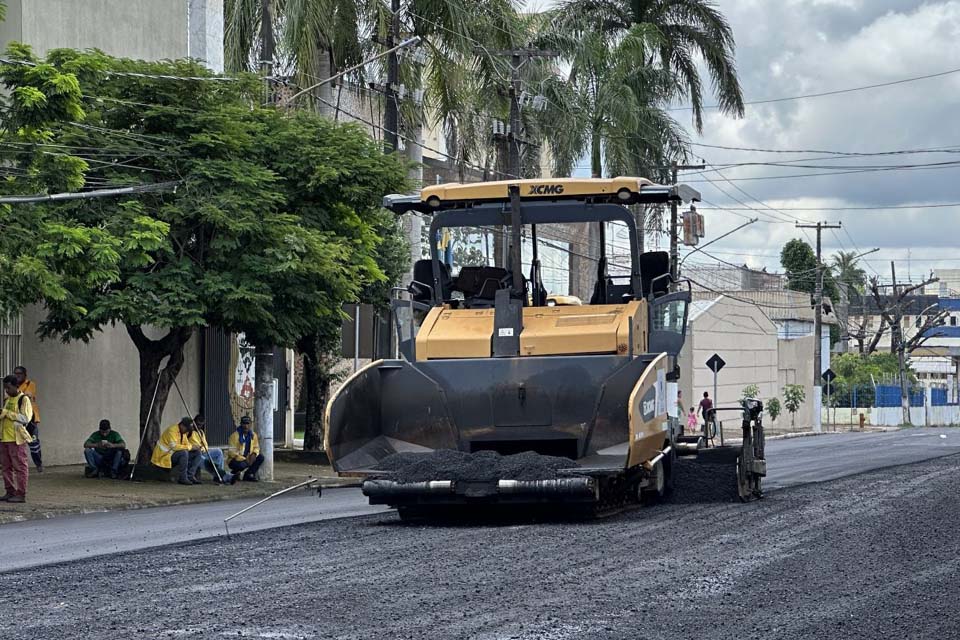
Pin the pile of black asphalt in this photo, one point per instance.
(695, 482)
(480, 466)
(870, 556)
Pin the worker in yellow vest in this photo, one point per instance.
(14, 438)
(244, 455)
(178, 450)
(28, 388)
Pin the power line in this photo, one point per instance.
(944, 205)
(794, 164)
(88, 195)
(370, 123)
(834, 92)
(833, 173)
(947, 149)
(132, 74)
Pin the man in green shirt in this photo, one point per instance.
(103, 451)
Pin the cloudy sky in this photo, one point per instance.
(795, 47)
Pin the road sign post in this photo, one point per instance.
(829, 376)
(715, 363)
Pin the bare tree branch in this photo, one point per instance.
(922, 334)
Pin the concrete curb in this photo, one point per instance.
(798, 434)
(807, 434)
(11, 517)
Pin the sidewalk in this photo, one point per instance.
(63, 490)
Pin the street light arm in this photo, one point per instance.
(700, 248)
(409, 42)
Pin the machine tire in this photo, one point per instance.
(671, 462)
(657, 490)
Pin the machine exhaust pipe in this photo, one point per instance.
(652, 462)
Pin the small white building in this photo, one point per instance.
(765, 338)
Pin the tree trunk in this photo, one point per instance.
(320, 356)
(596, 157)
(263, 406)
(156, 380)
(317, 387)
(324, 93)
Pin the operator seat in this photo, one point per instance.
(654, 264)
(479, 285)
(423, 275)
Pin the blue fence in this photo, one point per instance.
(888, 395)
(882, 395)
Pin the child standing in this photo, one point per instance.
(692, 426)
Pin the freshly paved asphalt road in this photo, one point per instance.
(859, 558)
(791, 462)
(797, 461)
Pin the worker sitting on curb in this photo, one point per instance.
(212, 456)
(244, 454)
(179, 451)
(104, 451)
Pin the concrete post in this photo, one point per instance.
(205, 32)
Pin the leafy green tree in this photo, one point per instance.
(270, 230)
(862, 372)
(793, 397)
(333, 179)
(799, 263)
(750, 391)
(46, 256)
(773, 408)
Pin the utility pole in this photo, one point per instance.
(391, 109)
(674, 230)
(518, 58)
(513, 138)
(896, 335)
(263, 357)
(818, 325)
(268, 47)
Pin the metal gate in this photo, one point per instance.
(228, 378)
(11, 330)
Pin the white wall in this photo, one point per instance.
(79, 384)
(143, 29)
(796, 367)
(745, 338)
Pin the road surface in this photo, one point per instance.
(81, 536)
(869, 556)
(792, 462)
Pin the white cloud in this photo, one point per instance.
(799, 46)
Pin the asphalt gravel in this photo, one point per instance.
(480, 466)
(700, 482)
(869, 556)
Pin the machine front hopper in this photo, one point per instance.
(570, 406)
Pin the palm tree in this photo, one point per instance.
(610, 105)
(847, 272)
(315, 38)
(689, 29)
(312, 37)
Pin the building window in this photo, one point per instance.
(953, 321)
(10, 341)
